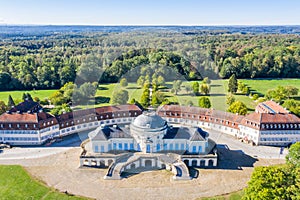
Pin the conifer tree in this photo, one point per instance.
(11, 102)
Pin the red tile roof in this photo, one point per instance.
(20, 118)
(25, 117)
(270, 107)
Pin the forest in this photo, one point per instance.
(50, 59)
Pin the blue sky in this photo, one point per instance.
(150, 12)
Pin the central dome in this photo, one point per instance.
(149, 120)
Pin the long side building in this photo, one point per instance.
(28, 124)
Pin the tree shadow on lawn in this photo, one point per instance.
(133, 87)
(217, 94)
(215, 85)
(100, 100)
(102, 88)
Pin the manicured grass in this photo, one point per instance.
(15, 183)
(261, 86)
(41, 94)
(232, 196)
(218, 95)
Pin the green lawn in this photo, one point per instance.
(261, 86)
(15, 183)
(41, 94)
(218, 92)
(232, 196)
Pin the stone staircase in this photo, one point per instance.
(172, 162)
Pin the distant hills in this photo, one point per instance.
(30, 30)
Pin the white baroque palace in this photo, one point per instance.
(28, 124)
(148, 143)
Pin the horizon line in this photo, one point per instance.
(187, 25)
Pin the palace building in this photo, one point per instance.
(28, 124)
(148, 143)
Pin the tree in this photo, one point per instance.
(132, 101)
(119, 97)
(204, 89)
(3, 107)
(10, 102)
(91, 69)
(157, 98)
(87, 90)
(29, 97)
(58, 110)
(160, 80)
(291, 90)
(204, 102)
(57, 98)
(124, 82)
(230, 99)
(145, 98)
(24, 96)
(293, 157)
(195, 87)
(141, 81)
(273, 182)
(206, 80)
(176, 86)
(238, 107)
(232, 84)
(5, 79)
(188, 89)
(293, 106)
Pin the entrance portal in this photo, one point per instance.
(148, 163)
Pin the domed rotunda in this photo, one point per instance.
(148, 129)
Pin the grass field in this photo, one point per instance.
(217, 97)
(232, 196)
(15, 183)
(41, 94)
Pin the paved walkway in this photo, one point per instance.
(227, 141)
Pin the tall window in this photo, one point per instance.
(182, 147)
(200, 149)
(120, 146)
(194, 149)
(165, 146)
(131, 146)
(96, 149)
(158, 147)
